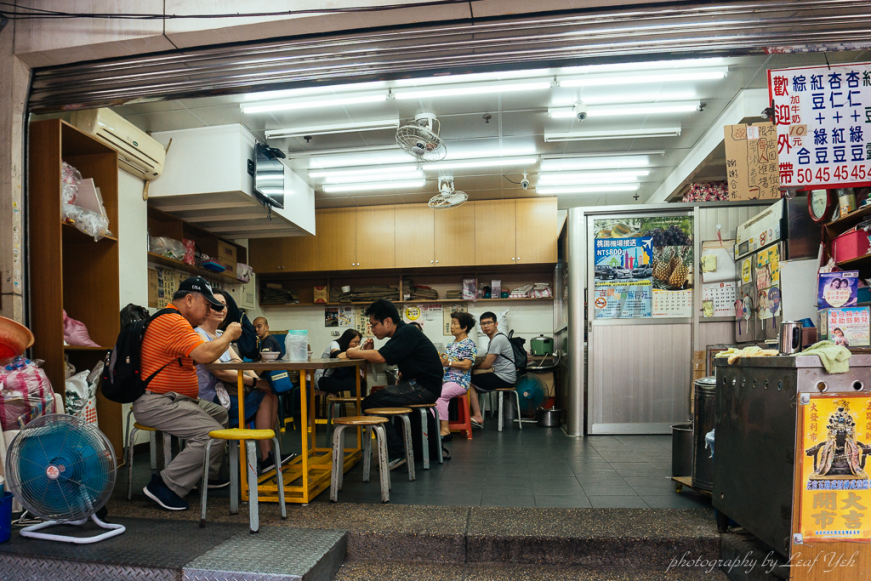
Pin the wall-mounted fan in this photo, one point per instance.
(420, 138)
(61, 468)
(447, 197)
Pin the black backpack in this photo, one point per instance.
(121, 380)
(517, 343)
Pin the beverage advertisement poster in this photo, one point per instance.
(838, 289)
(822, 115)
(835, 491)
(635, 257)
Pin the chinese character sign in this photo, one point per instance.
(823, 118)
(835, 496)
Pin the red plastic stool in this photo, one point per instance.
(464, 421)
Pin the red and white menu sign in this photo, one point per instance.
(823, 119)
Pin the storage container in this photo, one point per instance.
(5, 516)
(704, 420)
(682, 450)
(849, 245)
(297, 345)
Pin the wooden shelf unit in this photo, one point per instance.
(69, 270)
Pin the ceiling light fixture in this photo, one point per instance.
(484, 162)
(586, 190)
(474, 90)
(613, 134)
(332, 129)
(384, 175)
(363, 186)
(272, 106)
(638, 80)
(594, 164)
(581, 178)
(393, 169)
(628, 109)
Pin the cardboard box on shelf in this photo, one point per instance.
(322, 294)
(751, 161)
(227, 256)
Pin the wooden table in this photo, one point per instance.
(313, 465)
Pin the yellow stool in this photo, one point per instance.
(248, 436)
(167, 451)
(402, 413)
(368, 423)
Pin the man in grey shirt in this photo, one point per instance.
(500, 359)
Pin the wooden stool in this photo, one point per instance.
(401, 413)
(464, 421)
(332, 402)
(248, 436)
(502, 390)
(423, 431)
(368, 423)
(167, 452)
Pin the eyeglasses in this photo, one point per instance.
(483, 323)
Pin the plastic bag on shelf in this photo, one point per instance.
(81, 393)
(168, 247)
(190, 250)
(243, 272)
(87, 221)
(470, 293)
(25, 393)
(70, 178)
(76, 333)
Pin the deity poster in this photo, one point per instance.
(835, 490)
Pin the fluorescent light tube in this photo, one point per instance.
(586, 190)
(362, 186)
(475, 90)
(484, 162)
(613, 134)
(628, 109)
(393, 169)
(592, 164)
(590, 177)
(293, 105)
(639, 79)
(332, 129)
(382, 175)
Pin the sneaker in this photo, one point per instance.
(215, 483)
(160, 493)
(396, 463)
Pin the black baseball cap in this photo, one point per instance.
(198, 284)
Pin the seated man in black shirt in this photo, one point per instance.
(267, 341)
(419, 365)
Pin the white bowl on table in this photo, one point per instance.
(269, 355)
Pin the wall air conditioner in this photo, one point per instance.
(138, 153)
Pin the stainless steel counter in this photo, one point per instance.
(756, 433)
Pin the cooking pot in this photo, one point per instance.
(548, 417)
(541, 345)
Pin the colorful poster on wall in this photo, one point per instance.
(634, 258)
(822, 116)
(835, 490)
(346, 316)
(838, 289)
(331, 316)
(848, 327)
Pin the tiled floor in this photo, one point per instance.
(533, 467)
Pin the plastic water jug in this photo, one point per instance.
(296, 345)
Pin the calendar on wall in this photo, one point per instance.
(673, 303)
(718, 299)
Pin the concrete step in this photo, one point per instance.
(388, 571)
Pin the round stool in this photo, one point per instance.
(423, 431)
(332, 402)
(368, 423)
(402, 414)
(248, 436)
(167, 451)
(502, 390)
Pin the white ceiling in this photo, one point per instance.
(516, 127)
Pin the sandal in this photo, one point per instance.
(477, 425)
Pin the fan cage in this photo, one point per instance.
(61, 468)
(411, 136)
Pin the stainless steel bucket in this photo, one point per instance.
(548, 417)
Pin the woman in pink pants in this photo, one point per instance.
(457, 361)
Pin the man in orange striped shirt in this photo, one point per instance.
(170, 403)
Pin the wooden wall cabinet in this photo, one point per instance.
(487, 233)
(69, 270)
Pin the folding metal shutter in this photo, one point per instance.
(628, 34)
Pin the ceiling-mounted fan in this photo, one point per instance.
(420, 138)
(447, 197)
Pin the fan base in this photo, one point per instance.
(114, 531)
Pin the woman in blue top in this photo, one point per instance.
(457, 361)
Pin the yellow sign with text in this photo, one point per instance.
(835, 495)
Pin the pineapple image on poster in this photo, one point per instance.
(835, 502)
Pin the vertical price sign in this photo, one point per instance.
(823, 119)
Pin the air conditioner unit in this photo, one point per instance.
(138, 153)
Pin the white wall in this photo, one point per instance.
(132, 250)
